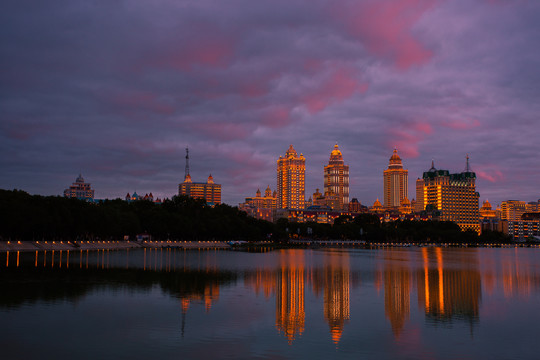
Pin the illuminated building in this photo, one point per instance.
(486, 212)
(396, 180)
(80, 190)
(355, 206)
(336, 180)
(260, 207)
(291, 171)
(208, 191)
(452, 197)
(512, 210)
(329, 199)
(268, 201)
(405, 207)
(526, 228)
(377, 207)
(146, 197)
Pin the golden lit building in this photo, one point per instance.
(452, 197)
(512, 210)
(208, 191)
(355, 206)
(377, 207)
(396, 180)
(291, 174)
(336, 180)
(261, 207)
(80, 190)
(486, 211)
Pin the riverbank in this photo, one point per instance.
(107, 245)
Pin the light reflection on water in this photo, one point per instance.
(284, 303)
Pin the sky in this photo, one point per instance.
(116, 90)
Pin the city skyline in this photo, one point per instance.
(239, 82)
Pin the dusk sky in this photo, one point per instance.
(116, 90)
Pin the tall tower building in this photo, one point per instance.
(396, 180)
(291, 183)
(209, 191)
(452, 196)
(336, 179)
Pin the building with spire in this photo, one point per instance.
(209, 191)
(291, 183)
(450, 197)
(336, 180)
(396, 183)
(80, 190)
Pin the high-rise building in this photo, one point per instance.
(291, 174)
(80, 190)
(396, 182)
(452, 197)
(336, 179)
(512, 210)
(209, 191)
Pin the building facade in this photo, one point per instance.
(336, 180)
(261, 207)
(396, 180)
(291, 175)
(452, 197)
(80, 190)
(209, 191)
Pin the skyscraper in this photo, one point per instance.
(396, 180)
(452, 196)
(291, 174)
(336, 179)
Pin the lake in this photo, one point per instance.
(396, 303)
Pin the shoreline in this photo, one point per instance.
(28, 246)
(31, 246)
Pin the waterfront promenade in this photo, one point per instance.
(106, 245)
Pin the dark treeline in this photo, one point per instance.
(34, 217)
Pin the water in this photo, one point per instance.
(414, 303)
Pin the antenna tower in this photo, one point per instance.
(187, 163)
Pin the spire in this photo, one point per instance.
(432, 166)
(186, 174)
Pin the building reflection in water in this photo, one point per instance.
(289, 282)
(449, 289)
(397, 290)
(290, 286)
(337, 280)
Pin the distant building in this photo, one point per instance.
(355, 206)
(526, 228)
(291, 175)
(452, 197)
(336, 180)
(146, 197)
(512, 210)
(80, 190)
(209, 191)
(261, 207)
(396, 180)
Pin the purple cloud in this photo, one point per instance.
(117, 90)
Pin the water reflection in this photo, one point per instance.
(448, 283)
(449, 291)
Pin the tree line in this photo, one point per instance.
(35, 217)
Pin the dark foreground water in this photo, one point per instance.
(414, 303)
